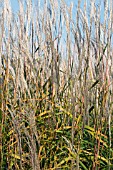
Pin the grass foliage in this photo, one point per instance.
(56, 86)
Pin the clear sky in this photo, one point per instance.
(14, 4)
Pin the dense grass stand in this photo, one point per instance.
(56, 85)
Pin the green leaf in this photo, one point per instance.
(83, 166)
(102, 55)
(91, 108)
(94, 84)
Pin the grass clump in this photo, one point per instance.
(56, 87)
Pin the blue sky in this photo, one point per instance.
(14, 4)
